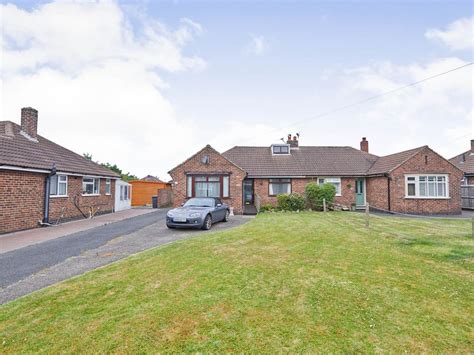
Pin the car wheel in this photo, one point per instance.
(207, 223)
(226, 217)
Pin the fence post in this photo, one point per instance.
(324, 204)
(367, 215)
(473, 227)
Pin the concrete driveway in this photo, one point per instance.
(36, 266)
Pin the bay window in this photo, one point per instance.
(90, 186)
(426, 186)
(336, 182)
(58, 185)
(279, 187)
(207, 186)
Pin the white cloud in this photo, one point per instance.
(94, 79)
(258, 45)
(437, 112)
(459, 35)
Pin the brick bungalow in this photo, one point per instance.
(465, 162)
(414, 181)
(41, 182)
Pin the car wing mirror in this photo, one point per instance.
(182, 204)
(219, 205)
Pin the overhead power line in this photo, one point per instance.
(374, 97)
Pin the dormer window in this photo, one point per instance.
(280, 149)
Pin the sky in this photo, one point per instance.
(145, 84)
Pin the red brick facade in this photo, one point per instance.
(22, 200)
(424, 162)
(377, 195)
(217, 165)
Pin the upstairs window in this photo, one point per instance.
(58, 185)
(426, 186)
(280, 149)
(279, 187)
(90, 186)
(336, 182)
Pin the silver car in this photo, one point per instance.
(198, 212)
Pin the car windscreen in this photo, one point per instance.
(200, 202)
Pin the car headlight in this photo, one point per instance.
(170, 214)
(195, 214)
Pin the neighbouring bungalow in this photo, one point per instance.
(465, 162)
(42, 182)
(417, 181)
(145, 189)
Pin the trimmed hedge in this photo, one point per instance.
(315, 194)
(291, 202)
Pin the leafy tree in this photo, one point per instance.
(114, 168)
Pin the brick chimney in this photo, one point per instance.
(29, 121)
(292, 142)
(364, 145)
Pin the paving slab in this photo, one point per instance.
(17, 240)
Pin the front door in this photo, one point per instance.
(248, 192)
(360, 192)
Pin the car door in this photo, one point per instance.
(220, 210)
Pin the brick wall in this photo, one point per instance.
(298, 185)
(217, 164)
(22, 200)
(66, 206)
(426, 161)
(377, 192)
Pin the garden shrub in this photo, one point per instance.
(267, 208)
(291, 202)
(315, 194)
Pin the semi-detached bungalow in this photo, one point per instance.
(41, 182)
(465, 162)
(418, 181)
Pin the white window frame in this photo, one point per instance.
(108, 187)
(281, 145)
(417, 186)
(277, 181)
(58, 182)
(95, 179)
(331, 180)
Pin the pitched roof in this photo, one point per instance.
(304, 161)
(389, 162)
(465, 162)
(151, 178)
(20, 151)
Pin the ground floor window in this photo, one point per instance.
(124, 192)
(427, 186)
(90, 186)
(336, 182)
(279, 187)
(108, 186)
(207, 186)
(58, 185)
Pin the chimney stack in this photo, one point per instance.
(29, 121)
(364, 145)
(292, 142)
(472, 146)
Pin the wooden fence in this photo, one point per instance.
(467, 196)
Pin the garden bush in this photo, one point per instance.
(267, 208)
(291, 202)
(315, 194)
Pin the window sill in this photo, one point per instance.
(426, 198)
(90, 195)
(58, 196)
(108, 194)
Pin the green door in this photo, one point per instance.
(360, 193)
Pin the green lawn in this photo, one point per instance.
(283, 282)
